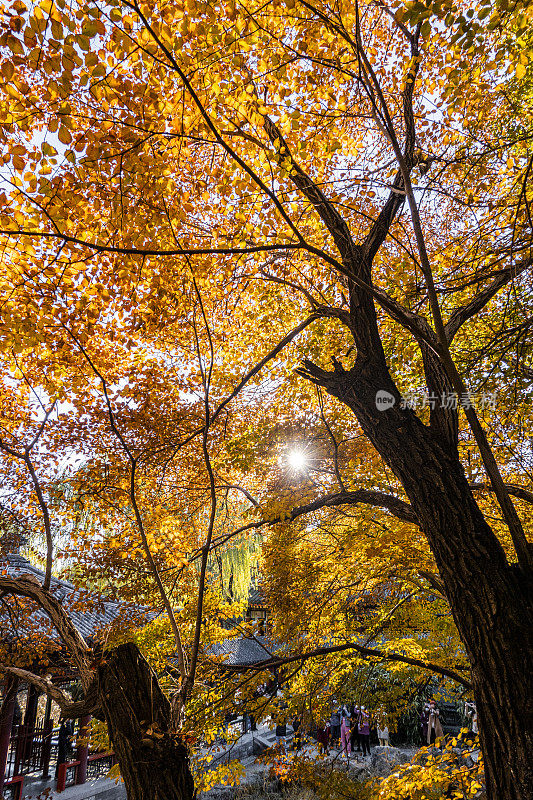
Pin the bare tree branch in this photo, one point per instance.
(275, 662)
(206, 377)
(470, 309)
(327, 212)
(264, 361)
(133, 499)
(399, 508)
(139, 251)
(513, 489)
(25, 456)
(69, 709)
(434, 581)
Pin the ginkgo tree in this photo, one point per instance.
(201, 196)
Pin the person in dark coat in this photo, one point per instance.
(335, 722)
(322, 737)
(64, 742)
(434, 731)
(297, 728)
(281, 733)
(17, 713)
(354, 731)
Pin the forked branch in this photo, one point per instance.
(69, 709)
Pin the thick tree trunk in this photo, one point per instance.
(154, 761)
(490, 599)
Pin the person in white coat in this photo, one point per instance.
(383, 735)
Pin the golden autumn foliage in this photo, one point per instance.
(179, 181)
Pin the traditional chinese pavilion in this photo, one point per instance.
(30, 741)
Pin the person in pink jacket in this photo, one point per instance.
(345, 734)
(364, 730)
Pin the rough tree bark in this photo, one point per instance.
(491, 600)
(153, 760)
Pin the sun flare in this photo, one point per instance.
(297, 460)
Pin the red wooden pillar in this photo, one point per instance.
(82, 751)
(28, 728)
(20, 749)
(30, 717)
(46, 751)
(6, 722)
(47, 740)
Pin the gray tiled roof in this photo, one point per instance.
(245, 650)
(96, 612)
(256, 598)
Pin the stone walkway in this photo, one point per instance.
(99, 789)
(245, 749)
(382, 760)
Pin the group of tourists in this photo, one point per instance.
(348, 730)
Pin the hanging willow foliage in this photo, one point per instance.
(239, 568)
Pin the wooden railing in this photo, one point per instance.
(63, 777)
(99, 764)
(67, 773)
(13, 788)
